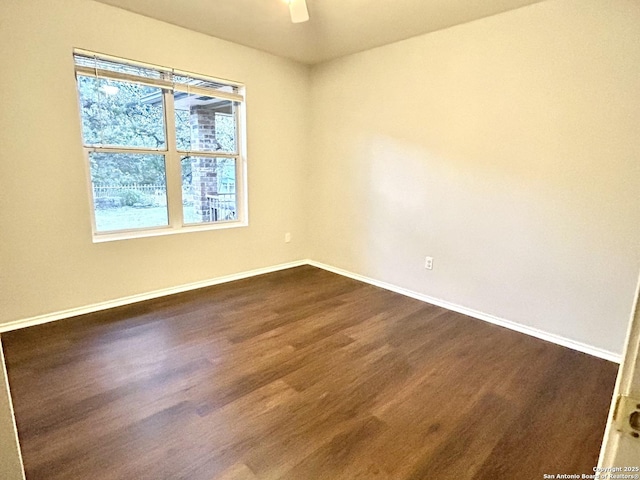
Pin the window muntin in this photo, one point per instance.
(147, 128)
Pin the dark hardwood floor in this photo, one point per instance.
(300, 374)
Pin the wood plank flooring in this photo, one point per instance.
(300, 374)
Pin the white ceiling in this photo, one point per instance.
(336, 28)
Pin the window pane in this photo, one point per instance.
(205, 124)
(121, 114)
(129, 191)
(209, 189)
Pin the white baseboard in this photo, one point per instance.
(118, 302)
(534, 332)
(550, 337)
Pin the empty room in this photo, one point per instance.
(321, 239)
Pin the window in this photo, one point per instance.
(163, 148)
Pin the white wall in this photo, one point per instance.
(508, 149)
(47, 259)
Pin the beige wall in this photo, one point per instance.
(508, 149)
(47, 259)
(10, 461)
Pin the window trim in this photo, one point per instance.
(172, 155)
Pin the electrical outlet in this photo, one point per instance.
(287, 237)
(428, 263)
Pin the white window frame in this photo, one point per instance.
(173, 155)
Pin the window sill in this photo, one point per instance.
(157, 232)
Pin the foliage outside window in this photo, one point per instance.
(163, 147)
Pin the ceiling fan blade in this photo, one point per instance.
(298, 11)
